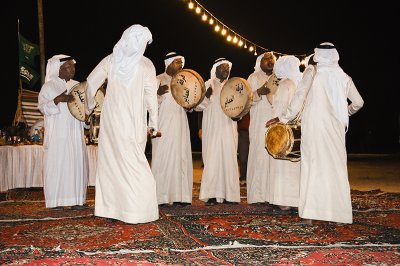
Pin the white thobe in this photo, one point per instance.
(220, 178)
(65, 170)
(258, 161)
(171, 162)
(284, 175)
(125, 186)
(324, 186)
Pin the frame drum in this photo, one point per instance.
(236, 97)
(77, 105)
(272, 84)
(282, 141)
(188, 88)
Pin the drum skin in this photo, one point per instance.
(77, 105)
(188, 88)
(282, 141)
(236, 97)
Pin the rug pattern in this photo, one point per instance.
(221, 234)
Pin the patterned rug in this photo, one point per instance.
(221, 234)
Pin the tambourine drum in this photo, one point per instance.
(236, 97)
(77, 105)
(272, 84)
(188, 88)
(282, 141)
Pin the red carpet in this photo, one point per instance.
(222, 234)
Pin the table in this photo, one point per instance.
(22, 166)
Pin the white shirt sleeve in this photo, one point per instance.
(300, 95)
(354, 96)
(94, 81)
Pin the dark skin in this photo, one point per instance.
(222, 73)
(267, 65)
(174, 67)
(66, 72)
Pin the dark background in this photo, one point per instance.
(365, 35)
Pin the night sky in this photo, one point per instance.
(88, 30)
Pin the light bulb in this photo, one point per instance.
(240, 43)
(235, 39)
(204, 17)
(211, 21)
(217, 28)
(191, 5)
(229, 38)
(223, 32)
(198, 10)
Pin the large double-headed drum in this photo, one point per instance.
(236, 97)
(282, 141)
(188, 88)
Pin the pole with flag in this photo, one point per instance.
(27, 54)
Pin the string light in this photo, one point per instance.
(237, 39)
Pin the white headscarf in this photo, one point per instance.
(287, 67)
(327, 55)
(218, 62)
(327, 59)
(127, 53)
(171, 57)
(257, 67)
(53, 66)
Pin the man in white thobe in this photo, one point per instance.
(284, 175)
(220, 178)
(261, 111)
(324, 185)
(65, 170)
(171, 162)
(125, 186)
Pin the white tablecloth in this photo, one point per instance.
(22, 166)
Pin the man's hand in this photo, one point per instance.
(209, 92)
(63, 97)
(263, 90)
(272, 121)
(162, 89)
(153, 134)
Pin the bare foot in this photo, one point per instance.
(284, 208)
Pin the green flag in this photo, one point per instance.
(27, 51)
(28, 75)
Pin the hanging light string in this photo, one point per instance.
(231, 35)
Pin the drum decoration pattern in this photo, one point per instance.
(188, 88)
(282, 141)
(77, 105)
(236, 97)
